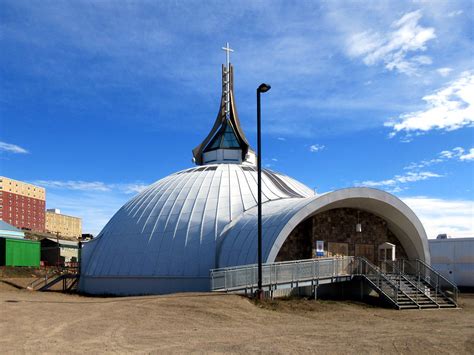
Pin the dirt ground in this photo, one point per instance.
(35, 322)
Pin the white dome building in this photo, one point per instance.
(167, 238)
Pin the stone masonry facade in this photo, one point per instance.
(337, 228)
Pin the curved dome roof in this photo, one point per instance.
(173, 226)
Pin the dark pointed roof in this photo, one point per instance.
(226, 132)
(225, 138)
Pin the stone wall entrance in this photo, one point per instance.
(337, 228)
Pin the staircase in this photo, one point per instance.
(422, 293)
(403, 284)
(409, 284)
(68, 281)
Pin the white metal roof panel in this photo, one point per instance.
(172, 227)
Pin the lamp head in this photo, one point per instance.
(263, 87)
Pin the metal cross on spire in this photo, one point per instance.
(227, 49)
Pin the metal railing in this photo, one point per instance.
(424, 275)
(286, 272)
(391, 289)
(43, 280)
(405, 283)
(70, 271)
(409, 282)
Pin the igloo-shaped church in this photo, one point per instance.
(168, 237)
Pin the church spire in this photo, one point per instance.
(226, 142)
(226, 72)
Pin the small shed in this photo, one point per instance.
(15, 250)
(59, 251)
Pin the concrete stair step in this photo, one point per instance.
(409, 307)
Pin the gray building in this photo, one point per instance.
(454, 259)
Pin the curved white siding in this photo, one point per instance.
(279, 218)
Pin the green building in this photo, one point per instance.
(15, 250)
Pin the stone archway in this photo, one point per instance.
(337, 228)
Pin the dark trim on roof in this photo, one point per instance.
(221, 119)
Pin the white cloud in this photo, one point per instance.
(455, 13)
(451, 154)
(281, 139)
(73, 185)
(454, 217)
(78, 185)
(455, 153)
(12, 148)
(401, 179)
(130, 188)
(468, 156)
(444, 71)
(394, 48)
(449, 108)
(316, 148)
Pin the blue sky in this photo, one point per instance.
(99, 99)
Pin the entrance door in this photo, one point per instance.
(338, 249)
(366, 250)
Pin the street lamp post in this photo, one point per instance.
(262, 88)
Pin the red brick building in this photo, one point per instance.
(22, 205)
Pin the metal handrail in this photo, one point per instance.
(437, 273)
(311, 271)
(381, 276)
(397, 267)
(425, 274)
(280, 263)
(52, 273)
(43, 279)
(450, 286)
(291, 272)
